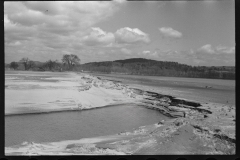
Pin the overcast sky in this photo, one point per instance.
(194, 33)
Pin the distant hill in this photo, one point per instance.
(141, 66)
(133, 60)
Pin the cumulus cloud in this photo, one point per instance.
(209, 49)
(170, 33)
(98, 37)
(57, 27)
(49, 29)
(59, 13)
(128, 35)
(124, 36)
(59, 17)
(119, 39)
(219, 55)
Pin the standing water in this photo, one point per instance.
(74, 125)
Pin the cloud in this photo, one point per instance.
(226, 50)
(124, 36)
(170, 33)
(119, 39)
(54, 17)
(128, 35)
(17, 43)
(58, 17)
(209, 49)
(126, 51)
(55, 27)
(147, 54)
(98, 37)
(219, 55)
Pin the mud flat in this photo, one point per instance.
(195, 128)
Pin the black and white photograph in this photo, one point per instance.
(119, 78)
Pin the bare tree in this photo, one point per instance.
(70, 60)
(27, 63)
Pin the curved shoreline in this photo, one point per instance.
(201, 121)
(64, 110)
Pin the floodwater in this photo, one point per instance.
(74, 125)
(66, 125)
(218, 91)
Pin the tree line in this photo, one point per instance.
(133, 66)
(140, 66)
(69, 61)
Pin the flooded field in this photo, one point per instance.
(73, 125)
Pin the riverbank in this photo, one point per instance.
(196, 128)
(28, 95)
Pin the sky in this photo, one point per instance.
(197, 33)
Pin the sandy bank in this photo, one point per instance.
(197, 128)
(76, 92)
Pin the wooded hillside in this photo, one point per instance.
(140, 66)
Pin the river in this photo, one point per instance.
(218, 91)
